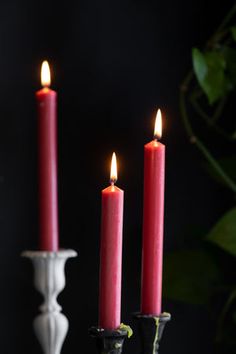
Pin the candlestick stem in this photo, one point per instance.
(150, 331)
(51, 325)
(108, 341)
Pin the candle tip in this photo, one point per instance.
(158, 125)
(113, 174)
(45, 74)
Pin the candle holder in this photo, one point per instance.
(109, 341)
(51, 326)
(151, 330)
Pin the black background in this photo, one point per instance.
(113, 63)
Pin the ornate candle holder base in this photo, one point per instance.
(108, 342)
(51, 325)
(150, 331)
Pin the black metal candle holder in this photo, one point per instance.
(108, 341)
(150, 331)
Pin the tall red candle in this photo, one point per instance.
(153, 218)
(111, 254)
(47, 163)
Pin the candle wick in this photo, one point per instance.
(155, 138)
(112, 181)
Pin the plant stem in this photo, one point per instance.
(219, 109)
(184, 114)
(194, 139)
(210, 122)
(229, 182)
(221, 30)
(227, 18)
(223, 314)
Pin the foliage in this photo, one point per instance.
(187, 278)
(223, 234)
(211, 71)
(195, 275)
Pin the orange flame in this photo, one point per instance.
(158, 125)
(113, 174)
(45, 74)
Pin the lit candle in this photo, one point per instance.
(153, 219)
(47, 162)
(111, 253)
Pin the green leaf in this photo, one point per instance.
(228, 164)
(199, 65)
(233, 31)
(189, 276)
(223, 233)
(209, 69)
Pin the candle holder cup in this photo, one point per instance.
(108, 341)
(151, 329)
(51, 326)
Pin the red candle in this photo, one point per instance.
(111, 253)
(153, 218)
(47, 163)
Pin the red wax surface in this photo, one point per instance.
(153, 218)
(47, 166)
(111, 258)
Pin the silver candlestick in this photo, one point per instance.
(51, 326)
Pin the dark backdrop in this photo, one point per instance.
(114, 63)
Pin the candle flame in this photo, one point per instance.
(45, 74)
(113, 174)
(158, 125)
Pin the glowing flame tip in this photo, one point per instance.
(113, 174)
(45, 74)
(158, 125)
